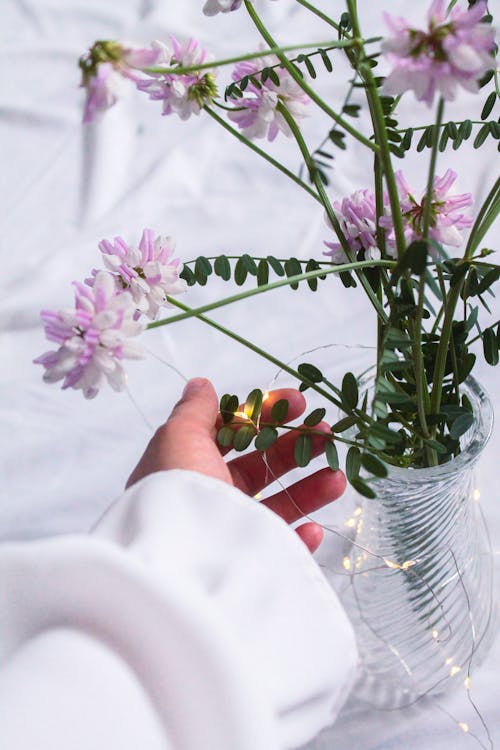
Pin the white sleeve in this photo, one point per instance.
(192, 617)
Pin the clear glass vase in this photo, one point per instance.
(420, 575)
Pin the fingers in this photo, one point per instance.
(311, 534)
(250, 473)
(296, 406)
(308, 495)
(186, 440)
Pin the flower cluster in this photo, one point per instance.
(182, 94)
(96, 335)
(212, 7)
(358, 221)
(456, 50)
(257, 113)
(105, 70)
(148, 272)
(93, 338)
(357, 217)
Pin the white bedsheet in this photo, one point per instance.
(64, 188)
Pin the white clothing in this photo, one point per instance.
(191, 618)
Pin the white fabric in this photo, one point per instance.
(191, 617)
(63, 188)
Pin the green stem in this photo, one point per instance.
(476, 338)
(262, 153)
(304, 86)
(432, 170)
(442, 350)
(267, 287)
(485, 218)
(257, 350)
(328, 206)
(380, 133)
(274, 50)
(321, 15)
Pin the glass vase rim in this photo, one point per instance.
(477, 438)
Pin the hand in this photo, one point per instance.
(187, 440)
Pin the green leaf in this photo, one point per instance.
(362, 487)
(222, 267)
(461, 425)
(407, 139)
(352, 110)
(465, 129)
(262, 272)
(466, 366)
(490, 346)
(249, 264)
(488, 105)
(228, 405)
(350, 390)
(303, 449)
(188, 276)
(310, 372)
(437, 446)
(332, 456)
(225, 437)
(276, 265)
(352, 463)
(202, 266)
(337, 138)
(343, 424)
(266, 437)
(481, 136)
(243, 437)
(240, 272)
(293, 268)
(347, 280)
(253, 404)
(326, 60)
(279, 411)
(374, 465)
(382, 432)
(398, 339)
(310, 67)
(315, 417)
(421, 143)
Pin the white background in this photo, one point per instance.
(63, 188)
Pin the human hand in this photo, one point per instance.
(187, 440)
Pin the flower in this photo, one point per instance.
(446, 219)
(105, 69)
(456, 50)
(148, 272)
(358, 220)
(212, 7)
(184, 94)
(257, 114)
(93, 338)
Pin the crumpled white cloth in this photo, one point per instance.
(190, 617)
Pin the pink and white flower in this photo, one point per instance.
(455, 50)
(149, 272)
(212, 7)
(446, 220)
(357, 217)
(105, 70)
(184, 94)
(93, 338)
(257, 114)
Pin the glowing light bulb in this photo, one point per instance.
(346, 563)
(258, 496)
(455, 670)
(435, 633)
(358, 511)
(463, 726)
(476, 495)
(351, 523)
(467, 682)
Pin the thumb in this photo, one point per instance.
(198, 405)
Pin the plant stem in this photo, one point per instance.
(476, 338)
(253, 347)
(303, 85)
(328, 206)
(262, 153)
(274, 50)
(432, 170)
(267, 287)
(487, 214)
(380, 133)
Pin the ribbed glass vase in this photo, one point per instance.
(420, 591)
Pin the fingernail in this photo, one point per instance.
(193, 386)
